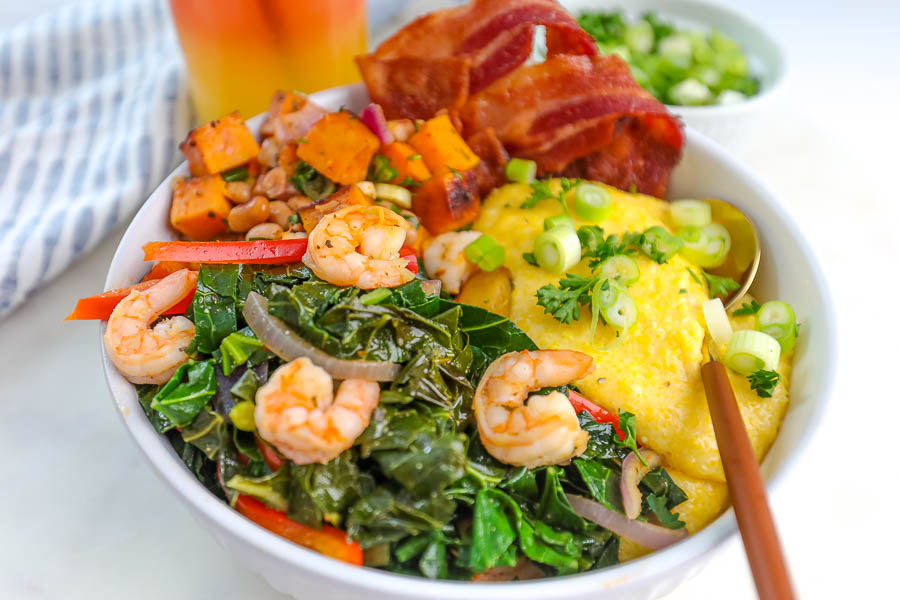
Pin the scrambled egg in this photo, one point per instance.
(655, 371)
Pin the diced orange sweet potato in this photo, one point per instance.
(447, 202)
(219, 145)
(287, 158)
(407, 161)
(285, 102)
(311, 214)
(340, 147)
(199, 207)
(441, 147)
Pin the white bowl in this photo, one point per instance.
(706, 170)
(765, 56)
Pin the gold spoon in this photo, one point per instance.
(745, 484)
(742, 261)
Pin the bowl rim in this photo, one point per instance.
(157, 450)
(765, 95)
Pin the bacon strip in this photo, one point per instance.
(493, 36)
(582, 115)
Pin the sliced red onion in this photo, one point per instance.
(431, 287)
(295, 125)
(641, 532)
(633, 470)
(287, 345)
(373, 117)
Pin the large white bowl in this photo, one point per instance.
(766, 58)
(706, 170)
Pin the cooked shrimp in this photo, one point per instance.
(445, 259)
(359, 245)
(298, 412)
(145, 354)
(530, 431)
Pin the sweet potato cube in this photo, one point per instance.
(311, 214)
(199, 207)
(219, 145)
(285, 102)
(441, 146)
(407, 161)
(340, 147)
(447, 202)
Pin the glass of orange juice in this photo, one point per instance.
(238, 52)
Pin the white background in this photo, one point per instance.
(83, 516)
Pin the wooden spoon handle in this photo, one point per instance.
(748, 495)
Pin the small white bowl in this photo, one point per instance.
(765, 57)
(705, 170)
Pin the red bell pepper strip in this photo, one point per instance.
(164, 268)
(256, 252)
(329, 540)
(102, 305)
(412, 263)
(599, 414)
(269, 455)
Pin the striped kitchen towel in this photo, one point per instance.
(92, 101)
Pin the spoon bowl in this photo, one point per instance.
(742, 261)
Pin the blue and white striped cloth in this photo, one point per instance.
(93, 102)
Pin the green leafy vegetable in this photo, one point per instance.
(530, 258)
(186, 393)
(214, 306)
(763, 382)
(237, 348)
(666, 518)
(626, 424)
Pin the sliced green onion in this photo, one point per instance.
(486, 253)
(519, 170)
(558, 249)
(750, 351)
(241, 415)
(592, 202)
(659, 244)
(367, 188)
(690, 212)
(618, 308)
(621, 269)
(394, 194)
(376, 296)
(690, 92)
(557, 221)
(717, 322)
(705, 246)
(639, 37)
(677, 48)
(778, 320)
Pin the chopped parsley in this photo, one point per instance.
(294, 219)
(563, 302)
(530, 259)
(719, 286)
(748, 308)
(236, 174)
(381, 170)
(763, 382)
(542, 190)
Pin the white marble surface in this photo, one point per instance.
(82, 515)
